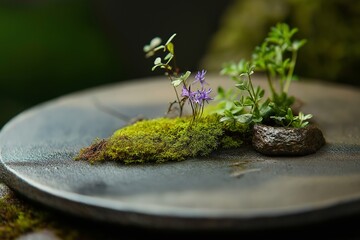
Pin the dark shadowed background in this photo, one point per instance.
(49, 48)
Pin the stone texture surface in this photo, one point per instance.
(38, 146)
(286, 141)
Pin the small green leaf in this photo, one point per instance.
(292, 32)
(155, 42)
(238, 103)
(237, 110)
(229, 105)
(265, 109)
(154, 67)
(185, 76)
(280, 119)
(151, 48)
(298, 44)
(303, 117)
(150, 54)
(241, 66)
(308, 116)
(176, 82)
(221, 92)
(244, 74)
(244, 118)
(289, 114)
(157, 61)
(242, 86)
(286, 63)
(251, 69)
(147, 48)
(228, 113)
(170, 48)
(226, 119)
(304, 124)
(259, 92)
(168, 56)
(247, 102)
(257, 119)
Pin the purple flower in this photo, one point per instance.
(197, 97)
(201, 96)
(200, 77)
(186, 92)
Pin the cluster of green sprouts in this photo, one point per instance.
(196, 98)
(276, 56)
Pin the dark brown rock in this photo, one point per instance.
(271, 140)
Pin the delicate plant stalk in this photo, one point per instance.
(179, 102)
(193, 110)
(175, 65)
(177, 96)
(291, 71)
(272, 89)
(252, 94)
(202, 109)
(281, 83)
(176, 72)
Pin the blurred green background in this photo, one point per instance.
(49, 48)
(332, 28)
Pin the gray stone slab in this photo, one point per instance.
(237, 189)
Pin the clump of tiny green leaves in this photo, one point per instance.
(276, 56)
(196, 98)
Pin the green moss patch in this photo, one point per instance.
(164, 139)
(18, 218)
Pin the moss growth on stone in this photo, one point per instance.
(164, 139)
(18, 218)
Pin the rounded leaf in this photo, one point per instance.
(157, 61)
(155, 42)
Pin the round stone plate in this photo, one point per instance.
(237, 189)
